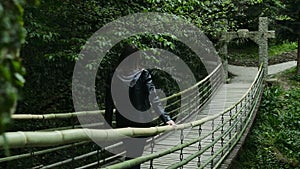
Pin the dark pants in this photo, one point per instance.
(134, 148)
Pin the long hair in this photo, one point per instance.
(128, 50)
(132, 62)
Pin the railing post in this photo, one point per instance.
(236, 126)
(199, 146)
(98, 155)
(73, 147)
(103, 156)
(32, 157)
(241, 117)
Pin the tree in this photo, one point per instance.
(58, 29)
(285, 14)
(290, 20)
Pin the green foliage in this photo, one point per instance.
(284, 16)
(285, 46)
(248, 51)
(290, 77)
(290, 19)
(57, 30)
(296, 78)
(11, 37)
(252, 10)
(209, 16)
(275, 138)
(60, 28)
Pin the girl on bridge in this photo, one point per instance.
(131, 91)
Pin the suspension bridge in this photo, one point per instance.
(210, 131)
(213, 124)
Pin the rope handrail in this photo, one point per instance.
(75, 114)
(195, 85)
(212, 117)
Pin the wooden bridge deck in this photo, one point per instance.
(226, 96)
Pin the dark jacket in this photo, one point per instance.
(142, 96)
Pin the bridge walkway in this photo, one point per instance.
(227, 95)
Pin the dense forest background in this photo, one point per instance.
(57, 30)
(45, 38)
(40, 42)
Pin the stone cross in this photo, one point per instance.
(260, 37)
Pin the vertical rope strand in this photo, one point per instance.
(181, 150)
(152, 150)
(199, 146)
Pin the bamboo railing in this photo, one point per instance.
(54, 115)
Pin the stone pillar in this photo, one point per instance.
(260, 37)
(224, 53)
(263, 43)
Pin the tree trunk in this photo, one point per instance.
(298, 58)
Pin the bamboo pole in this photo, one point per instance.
(102, 161)
(53, 138)
(36, 153)
(55, 115)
